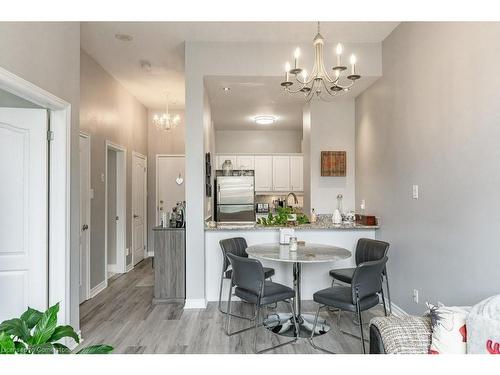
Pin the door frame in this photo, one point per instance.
(158, 156)
(59, 179)
(145, 158)
(89, 215)
(121, 202)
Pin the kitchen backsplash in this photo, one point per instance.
(270, 198)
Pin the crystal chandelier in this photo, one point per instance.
(319, 83)
(166, 121)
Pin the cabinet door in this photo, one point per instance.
(297, 173)
(223, 157)
(244, 162)
(263, 173)
(281, 173)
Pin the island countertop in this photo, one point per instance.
(316, 226)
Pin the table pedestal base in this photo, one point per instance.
(282, 324)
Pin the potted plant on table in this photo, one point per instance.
(38, 333)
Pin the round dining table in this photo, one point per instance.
(282, 323)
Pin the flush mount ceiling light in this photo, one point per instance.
(124, 37)
(166, 121)
(264, 120)
(319, 83)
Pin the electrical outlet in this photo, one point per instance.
(415, 192)
(102, 177)
(363, 204)
(415, 296)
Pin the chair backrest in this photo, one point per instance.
(367, 278)
(368, 250)
(247, 273)
(236, 246)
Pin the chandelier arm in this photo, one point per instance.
(331, 93)
(344, 87)
(287, 89)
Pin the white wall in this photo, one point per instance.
(258, 141)
(108, 112)
(47, 54)
(433, 120)
(332, 129)
(238, 59)
(208, 146)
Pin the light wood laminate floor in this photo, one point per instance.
(123, 316)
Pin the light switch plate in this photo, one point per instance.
(415, 191)
(102, 177)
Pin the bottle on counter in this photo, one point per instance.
(313, 217)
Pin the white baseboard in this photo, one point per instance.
(398, 311)
(113, 268)
(72, 344)
(150, 253)
(196, 303)
(98, 288)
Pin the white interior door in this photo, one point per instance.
(168, 191)
(84, 216)
(139, 189)
(23, 213)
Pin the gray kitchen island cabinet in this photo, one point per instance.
(169, 265)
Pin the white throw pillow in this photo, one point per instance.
(483, 325)
(449, 331)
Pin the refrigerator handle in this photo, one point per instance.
(218, 193)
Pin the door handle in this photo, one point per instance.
(85, 227)
(136, 216)
(117, 218)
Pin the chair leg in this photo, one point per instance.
(311, 338)
(228, 315)
(220, 301)
(360, 326)
(383, 301)
(257, 320)
(220, 293)
(388, 292)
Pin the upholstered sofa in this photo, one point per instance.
(405, 335)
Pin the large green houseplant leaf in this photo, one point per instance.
(38, 333)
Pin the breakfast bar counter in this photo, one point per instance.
(314, 277)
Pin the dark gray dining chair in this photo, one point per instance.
(367, 249)
(361, 295)
(251, 286)
(236, 246)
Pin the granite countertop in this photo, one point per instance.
(316, 226)
(167, 228)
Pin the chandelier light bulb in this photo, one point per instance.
(304, 75)
(339, 49)
(296, 54)
(287, 67)
(353, 60)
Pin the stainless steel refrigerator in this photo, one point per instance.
(235, 199)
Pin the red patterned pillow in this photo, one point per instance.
(449, 330)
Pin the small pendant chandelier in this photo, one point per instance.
(166, 121)
(319, 83)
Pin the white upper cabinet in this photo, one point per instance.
(223, 157)
(263, 173)
(244, 162)
(281, 173)
(297, 173)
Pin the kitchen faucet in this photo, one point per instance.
(295, 200)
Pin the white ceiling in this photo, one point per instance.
(162, 44)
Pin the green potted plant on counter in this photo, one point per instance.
(38, 333)
(283, 216)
